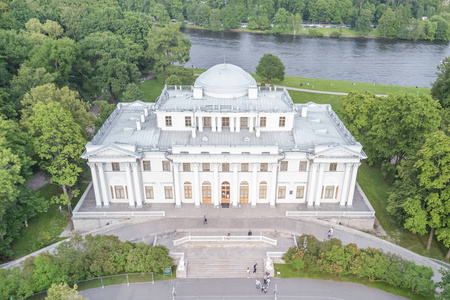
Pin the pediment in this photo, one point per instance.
(111, 151)
(341, 151)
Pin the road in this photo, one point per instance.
(228, 289)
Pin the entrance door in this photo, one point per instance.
(243, 193)
(225, 192)
(206, 192)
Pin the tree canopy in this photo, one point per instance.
(270, 67)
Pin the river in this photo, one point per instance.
(386, 61)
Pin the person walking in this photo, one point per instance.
(330, 233)
(254, 268)
(205, 221)
(258, 284)
(248, 272)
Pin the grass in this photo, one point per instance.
(286, 271)
(152, 89)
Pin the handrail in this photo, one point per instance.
(258, 238)
(330, 213)
(120, 214)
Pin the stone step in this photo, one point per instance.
(224, 268)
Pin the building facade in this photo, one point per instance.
(224, 142)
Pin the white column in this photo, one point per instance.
(196, 187)
(235, 187)
(232, 124)
(238, 124)
(251, 123)
(130, 188)
(311, 183)
(346, 184)
(274, 184)
(219, 124)
(319, 184)
(254, 190)
(216, 188)
(213, 124)
(352, 185)
(176, 184)
(138, 188)
(98, 199)
(200, 124)
(103, 187)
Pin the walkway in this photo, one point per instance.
(227, 289)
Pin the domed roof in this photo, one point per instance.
(225, 80)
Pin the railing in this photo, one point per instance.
(275, 254)
(259, 238)
(330, 213)
(120, 214)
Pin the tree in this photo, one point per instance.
(388, 24)
(46, 272)
(440, 89)
(28, 78)
(63, 292)
(166, 46)
(444, 284)
(295, 23)
(59, 143)
(270, 67)
(13, 284)
(106, 110)
(145, 258)
(215, 22)
(281, 20)
(132, 93)
(173, 80)
(364, 22)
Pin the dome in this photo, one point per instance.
(225, 81)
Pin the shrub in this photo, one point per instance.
(335, 34)
(174, 80)
(312, 32)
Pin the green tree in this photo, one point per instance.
(132, 93)
(166, 46)
(418, 279)
(215, 20)
(388, 24)
(295, 23)
(28, 78)
(230, 16)
(440, 89)
(364, 21)
(63, 292)
(144, 258)
(13, 284)
(270, 67)
(280, 21)
(105, 110)
(173, 80)
(46, 272)
(444, 284)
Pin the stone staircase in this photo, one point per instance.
(224, 268)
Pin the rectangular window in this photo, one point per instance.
(149, 192)
(168, 192)
(262, 191)
(264, 167)
(333, 167)
(187, 121)
(329, 192)
(283, 166)
(244, 167)
(206, 167)
(300, 192)
(282, 121)
(262, 122)
(206, 122)
(168, 121)
(115, 166)
(186, 167)
(119, 192)
(187, 191)
(244, 122)
(146, 165)
(303, 166)
(225, 122)
(281, 192)
(166, 165)
(225, 167)
(206, 193)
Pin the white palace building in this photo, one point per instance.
(223, 142)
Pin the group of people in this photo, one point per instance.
(266, 282)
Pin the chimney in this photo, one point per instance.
(138, 125)
(304, 111)
(142, 118)
(146, 111)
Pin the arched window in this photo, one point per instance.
(187, 190)
(243, 192)
(206, 192)
(262, 190)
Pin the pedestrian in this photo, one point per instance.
(330, 233)
(205, 221)
(258, 284)
(265, 279)
(248, 272)
(250, 233)
(254, 268)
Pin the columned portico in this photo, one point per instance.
(312, 184)
(137, 185)
(235, 186)
(346, 184)
(352, 184)
(98, 199)
(104, 188)
(130, 188)
(238, 124)
(200, 123)
(196, 188)
(319, 188)
(216, 190)
(254, 191)
(176, 184)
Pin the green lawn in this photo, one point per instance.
(286, 271)
(152, 89)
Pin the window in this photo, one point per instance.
(262, 122)
(244, 167)
(186, 167)
(263, 190)
(149, 192)
(283, 166)
(225, 122)
(225, 167)
(168, 192)
(244, 122)
(333, 167)
(206, 167)
(187, 121)
(282, 121)
(281, 192)
(168, 121)
(119, 191)
(166, 165)
(264, 167)
(206, 192)
(329, 192)
(115, 166)
(300, 192)
(146, 165)
(303, 165)
(206, 122)
(187, 190)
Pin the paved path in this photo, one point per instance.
(227, 289)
